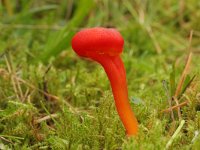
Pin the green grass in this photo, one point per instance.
(52, 99)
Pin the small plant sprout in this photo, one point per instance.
(105, 46)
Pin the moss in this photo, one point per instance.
(67, 103)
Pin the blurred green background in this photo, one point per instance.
(52, 99)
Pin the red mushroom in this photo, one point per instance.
(105, 46)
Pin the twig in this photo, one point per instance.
(12, 137)
(175, 107)
(46, 118)
(175, 134)
(6, 140)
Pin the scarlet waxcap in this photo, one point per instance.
(98, 40)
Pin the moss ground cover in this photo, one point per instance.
(51, 99)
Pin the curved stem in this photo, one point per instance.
(115, 71)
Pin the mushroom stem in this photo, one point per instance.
(114, 68)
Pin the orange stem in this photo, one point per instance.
(115, 71)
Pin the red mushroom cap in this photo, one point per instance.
(98, 40)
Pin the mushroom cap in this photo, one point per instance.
(97, 40)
